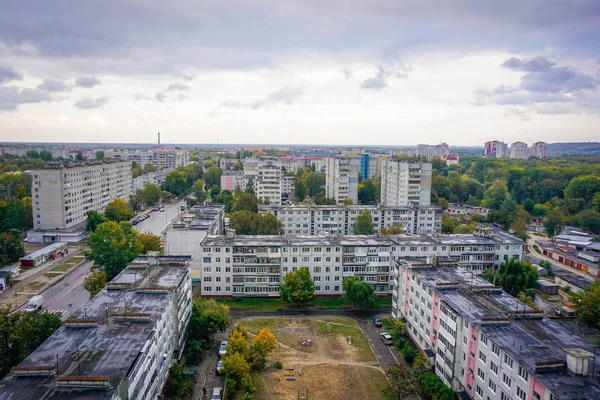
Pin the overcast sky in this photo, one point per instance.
(367, 72)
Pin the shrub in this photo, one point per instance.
(230, 387)
(278, 364)
(400, 343)
(248, 384)
(409, 353)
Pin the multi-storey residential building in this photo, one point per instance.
(268, 183)
(519, 150)
(341, 179)
(495, 149)
(288, 187)
(155, 178)
(405, 184)
(190, 229)
(431, 151)
(370, 166)
(254, 265)
(120, 345)
(540, 150)
(62, 194)
(231, 180)
(340, 219)
(228, 164)
(160, 158)
(486, 344)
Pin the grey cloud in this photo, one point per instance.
(379, 81)
(11, 97)
(523, 116)
(178, 87)
(8, 74)
(88, 103)
(555, 109)
(286, 96)
(348, 74)
(185, 77)
(53, 85)
(87, 82)
(139, 97)
(535, 64)
(160, 97)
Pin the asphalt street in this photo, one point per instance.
(159, 220)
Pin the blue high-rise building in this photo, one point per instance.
(364, 166)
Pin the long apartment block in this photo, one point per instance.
(62, 194)
(340, 219)
(484, 343)
(120, 345)
(255, 265)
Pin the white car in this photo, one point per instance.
(217, 394)
(223, 348)
(219, 367)
(386, 338)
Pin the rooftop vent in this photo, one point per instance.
(83, 382)
(153, 290)
(448, 285)
(495, 321)
(549, 366)
(488, 289)
(527, 314)
(39, 370)
(132, 317)
(577, 361)
(81, 323)
(118, 285)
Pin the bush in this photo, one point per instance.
(278, 365)
(400, 343)
(409, 353)
(433, 386)
(230, 385)
(248, 384)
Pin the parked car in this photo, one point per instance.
(386, 338)
(223, 348)
(219, 367)
(156, 208)
(217, 394)
(162, 209)
(377, 322)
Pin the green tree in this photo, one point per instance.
(179, 386)
(113, 246)
(94, 282)
(401, 380)
(420, 362)
(99, 155)
(367, 193)
(94, 218)
(245, 222)
(364, 224)
(359, 293)
(299, 189)
(433, 386)
(79, 156)
(11, 246)
(46, 155)
(270, 225)
(496, 194)
(118, 210)
(212, 177)
(246, 202)
(250, 186)
(21, 333)
(547, 266)
(590, 221)
(596, 202)
(554, 222)
(150, 242)
(175, 182)
(391, 230)
(297, 287)
(588, 305)
(236, 367)
(520, 221)
(515, 276)
(322, 200)
(149, 168)
(208, 318)
(583, 187)
(449, 224)
(409, 353)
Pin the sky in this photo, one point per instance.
(360, 72)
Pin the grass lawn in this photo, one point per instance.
(359, 340)
(265, 304)
(387, 324)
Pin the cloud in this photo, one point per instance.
(284, 96)
(523, 116)
(380, 80)
(535, 64)
(160, 97)
(178, 87)
(53, 85)
(185, 77)
(8, 74)
(11, 97)
(87, 82)
(88, 103)
(139, 97)
(348, 73)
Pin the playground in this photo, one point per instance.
(323, 358)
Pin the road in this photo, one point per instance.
(158, 220)
(555, 264)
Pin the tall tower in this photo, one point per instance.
(159, 138)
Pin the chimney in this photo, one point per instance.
(577, 361)
(159, 138)
(230, 233)
(152, 258)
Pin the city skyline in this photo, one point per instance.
(312, 73)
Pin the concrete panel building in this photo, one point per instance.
(405, 184)
(341, 178)
(495, 149)
(62, 194)
(484, 343)
(120, 345)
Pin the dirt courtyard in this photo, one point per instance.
(329, 368)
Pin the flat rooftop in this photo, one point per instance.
(110, 348)
(526, 340)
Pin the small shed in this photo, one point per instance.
(39, 257)
(547, 287)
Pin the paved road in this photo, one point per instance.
(555, 264)
(158, 220)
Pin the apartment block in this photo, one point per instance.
(521, 151)
(255, 265)
(540, 150)
(495, 149)
(231, 180)
(155, 178)
(405, 184)
(341, 179)
(62, 194)
(120, 345)
(484, 343)
(430, 151)
(160, 158)
(340, 219)
(370, 166)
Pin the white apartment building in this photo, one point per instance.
(160, 158)
(431, 151)
(405, 184)
(268, 183)
(120, 345)
(484, 343)
(340, 219)
(231, 180)
(341, 179)
(155, 178)
(540, 150)
(255, 265)
(62, 194)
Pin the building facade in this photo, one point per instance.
(160, 158)
(340, 220)
(495, 149)
(62, 194)
(341, 178)
(405, 184)
(255, 265)
(232, 180)
(540, 150)
(431, 151)
(120, 345)
(484, 343)
(370, 166)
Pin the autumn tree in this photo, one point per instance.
(95, 281)
(118, 210)
(237, 343)
(236, 367)
(150, 242)
(401, 380)
(297, 287)
(264, 342)
(364, 224)
(420, 362)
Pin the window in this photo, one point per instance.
(481, 356)
(206, 269)
(492, 385)
(494, 368)
(521, 394)
(481, 374)
(206, 260)
(507, 381)
(536, 395)
(504, 396)
(523, 373)
(218, 259)
(465, 340)
(483, 339)
(496, 349)
(508, 361)
(479, 391)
